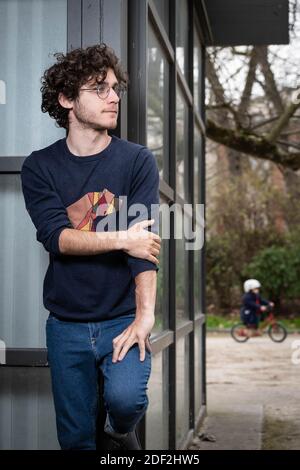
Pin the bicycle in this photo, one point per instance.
(276, 331)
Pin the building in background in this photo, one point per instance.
(162, 45)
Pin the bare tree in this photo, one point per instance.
(254, 99)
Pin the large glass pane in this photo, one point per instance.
(197, 70)
(162, 294)
(198, 369)
(181, 145)
(29, 31)
(197, 289)
(182, 35)
(182, 312)
(162, 7)
(197, 160)
(182, 390)
(157, 419)
(27, 419)
(158, 103)
(23, 263)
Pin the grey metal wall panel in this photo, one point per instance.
(90, 22)
(74, 24)
(114, 32)
(27, 419)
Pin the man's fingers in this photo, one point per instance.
(125, 348)
(116, 339)
(146, 223)
(153, 259)
(156, 245)
(118, 345)
(142, 349)
(156, 237)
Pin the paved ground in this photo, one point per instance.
(253, 394)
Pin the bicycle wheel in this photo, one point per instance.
(277, 332)
(238, 333)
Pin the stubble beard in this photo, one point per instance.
(86, 122)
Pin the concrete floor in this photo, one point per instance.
(253, 394)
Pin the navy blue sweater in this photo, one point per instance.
(62, 190)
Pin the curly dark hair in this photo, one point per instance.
(71, 71)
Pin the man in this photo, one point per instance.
(100, 286)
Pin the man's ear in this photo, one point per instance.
(64, 101)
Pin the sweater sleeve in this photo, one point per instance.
(144, 189)
(44, 205)
(263, 301)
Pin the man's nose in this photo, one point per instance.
(112, 96)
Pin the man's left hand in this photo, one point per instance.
(136, 332)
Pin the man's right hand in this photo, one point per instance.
(141, 243)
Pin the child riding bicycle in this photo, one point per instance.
(254, 306)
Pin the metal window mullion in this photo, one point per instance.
(172, 244)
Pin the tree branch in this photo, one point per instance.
(251, 144)
(282, 122)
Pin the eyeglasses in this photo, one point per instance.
(103, 90)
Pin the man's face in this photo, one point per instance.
(92, 112)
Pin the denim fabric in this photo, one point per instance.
(76, 351)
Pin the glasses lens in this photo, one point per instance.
(103, 90)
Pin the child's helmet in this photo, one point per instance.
(251, 284)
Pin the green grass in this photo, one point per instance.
(224, 322)
(221, 322)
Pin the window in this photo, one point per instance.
(162, 304)
(182, 389)
(181, 145)
(158, 103)
(198, 368)
(182, 35)
(23, 264)
(162, 7)
(182, 273)
(29, 29)
(157, 421)
(197, 71)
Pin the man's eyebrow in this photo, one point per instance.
(106, 83)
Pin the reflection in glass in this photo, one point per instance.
(182, 32)
(197, 160)
(29, 31)
(162, 304)
(197, 71)
(182, 389)
(23, 263)
(181, 145)
(162, 7)
(182, 313)
(197, 290)
(157, 419)
(158, 103)
(198, 369)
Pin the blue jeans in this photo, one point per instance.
(76, 351)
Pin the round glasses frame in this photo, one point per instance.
(103, 90)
